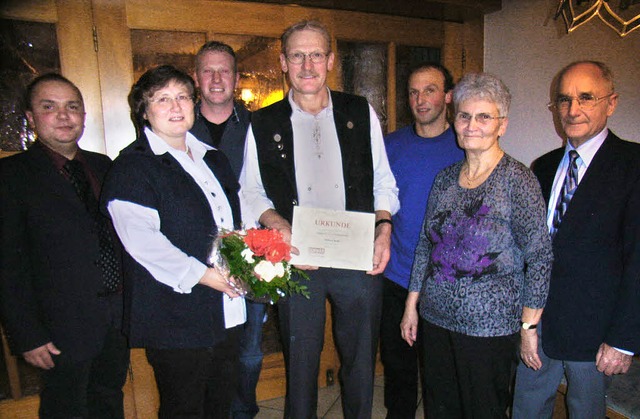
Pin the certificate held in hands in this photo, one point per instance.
(333, 239)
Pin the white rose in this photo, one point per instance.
(267, 270)
(247, 255)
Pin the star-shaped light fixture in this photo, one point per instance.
(578, 12)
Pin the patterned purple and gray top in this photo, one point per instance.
(483, 253)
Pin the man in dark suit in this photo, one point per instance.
(591, 322)
(60, 283)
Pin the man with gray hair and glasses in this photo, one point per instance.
(590, 326)
(323, 149)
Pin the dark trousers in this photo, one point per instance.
(467, 376)
(356, 300)
(196, 383)
(401, 372)
(87, 389)
(244, 405)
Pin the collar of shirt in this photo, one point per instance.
(587, 150)
(58, 159)
(233, 117)
(159, 146)
(297, 110)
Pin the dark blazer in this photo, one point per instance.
(594, 295)
(50, 279)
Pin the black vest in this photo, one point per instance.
(155, 315)
(274, 142)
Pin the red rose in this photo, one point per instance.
(277, 252)
(259, 240)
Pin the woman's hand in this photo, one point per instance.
(409, 323)
(529, 349)
(214, 279)
(409, 326)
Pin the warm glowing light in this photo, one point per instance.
(247, 95)
(272, 97)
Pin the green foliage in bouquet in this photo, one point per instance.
(260, 260)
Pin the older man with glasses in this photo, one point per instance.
(591, 323)
(324, 149)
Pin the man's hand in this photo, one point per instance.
(41, 356)
(529, 349)
(381, 249)
(271, 219)
(611, 361)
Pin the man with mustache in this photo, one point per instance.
(322, 149)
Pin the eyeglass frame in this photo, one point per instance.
(305, 56)
(481, 118)
(180, 99)
(584, 97)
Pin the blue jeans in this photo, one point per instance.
(244, 403)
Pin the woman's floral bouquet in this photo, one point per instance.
(259, 260)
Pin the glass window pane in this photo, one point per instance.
(260, 82)
(28, 49)
(364, 72)
(406, 58)
(154, 48)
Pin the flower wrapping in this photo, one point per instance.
(258, 260)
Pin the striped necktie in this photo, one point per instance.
(568, 189)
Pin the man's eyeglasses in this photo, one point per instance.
(167, 101)
(481, 118)
(585, 101)
(315, 57)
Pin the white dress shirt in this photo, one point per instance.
(318, 164)
(139, 228)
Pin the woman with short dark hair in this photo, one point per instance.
(169, 195)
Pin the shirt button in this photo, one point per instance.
(309, 188)
(336, 186)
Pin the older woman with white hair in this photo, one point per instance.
(482, 266)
